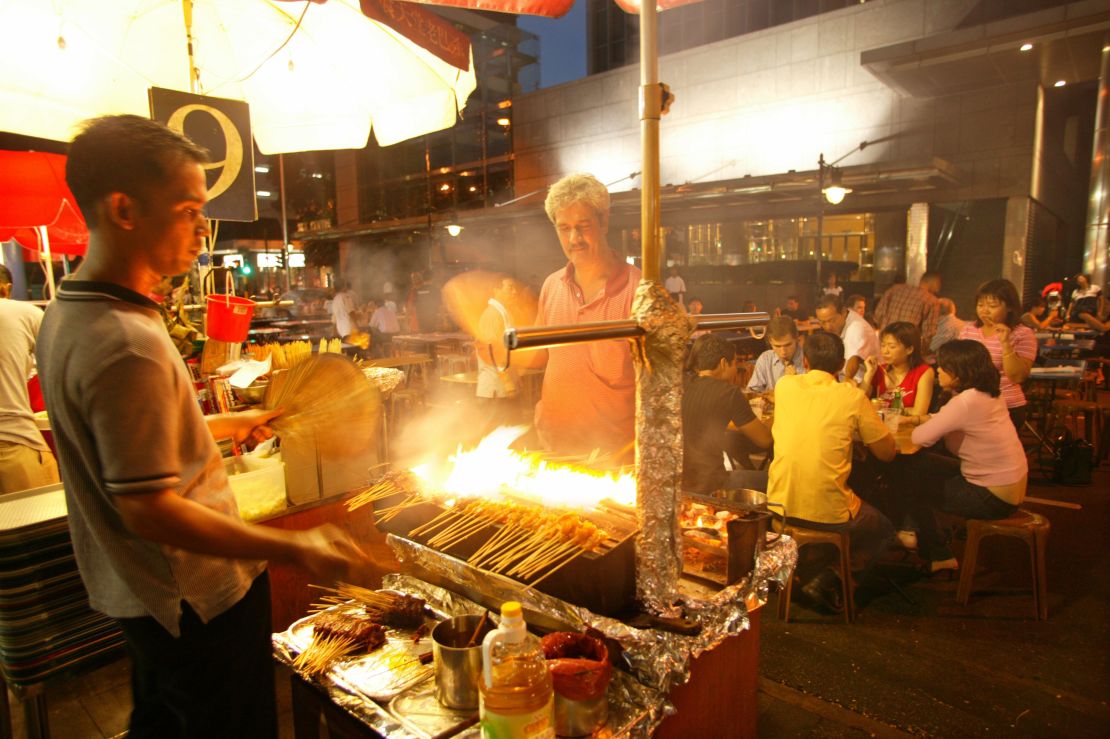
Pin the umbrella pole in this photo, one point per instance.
(651, 104)
(284, 223)
(48, 262)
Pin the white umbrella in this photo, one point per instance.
(316, 76)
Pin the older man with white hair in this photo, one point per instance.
(589, 392)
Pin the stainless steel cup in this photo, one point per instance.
(458, 667)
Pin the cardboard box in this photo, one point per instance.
(302, 471)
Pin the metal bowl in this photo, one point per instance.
(253, 393)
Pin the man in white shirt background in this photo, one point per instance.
(25, 459)
(342, 310)
(675, 285)
(860, 340)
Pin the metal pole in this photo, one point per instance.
(284, 223)
(577, 333)
(651, 103)
(820, 218)
(48, 261)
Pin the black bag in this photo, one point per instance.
(1072, 460)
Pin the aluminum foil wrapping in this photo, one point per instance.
(386, 379)
(367, 711)
(634, 709)
(658, 660)
(658, 359)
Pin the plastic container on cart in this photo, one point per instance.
(258, 484)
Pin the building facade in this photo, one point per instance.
(962, 128)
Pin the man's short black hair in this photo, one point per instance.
(824, 351)
(5, 275)
(707, 353)
(123, 153)
(828, 300)
(970, 363)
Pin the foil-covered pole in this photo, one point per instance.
(658, 359)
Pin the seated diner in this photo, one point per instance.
(900, 367)
(991, 478)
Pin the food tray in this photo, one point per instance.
(420, 712)
(382, 674)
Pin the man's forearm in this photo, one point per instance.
(167, 518)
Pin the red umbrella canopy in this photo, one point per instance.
(33, 193)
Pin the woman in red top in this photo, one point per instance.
(901, 367)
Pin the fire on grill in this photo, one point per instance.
(565, 530)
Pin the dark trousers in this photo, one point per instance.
(215, 680)
(939, 487)
(869, 531)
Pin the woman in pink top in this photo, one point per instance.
(1012, 347)
(976, 428)
(901, 367)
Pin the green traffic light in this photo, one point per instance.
(245, 269)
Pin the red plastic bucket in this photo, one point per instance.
(229, 317)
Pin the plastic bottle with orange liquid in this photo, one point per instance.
(516, 698)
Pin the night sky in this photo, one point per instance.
(562, 44)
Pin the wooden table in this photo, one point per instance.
(903, 441)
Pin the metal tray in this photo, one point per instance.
(383, 673)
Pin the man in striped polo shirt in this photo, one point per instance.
(155, 527)
(589, 390)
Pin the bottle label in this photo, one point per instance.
(538, 724)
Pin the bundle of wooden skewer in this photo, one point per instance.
(383, 607)
(531, 539)
(400, 481)
(337, 634)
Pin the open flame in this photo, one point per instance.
(492, 469)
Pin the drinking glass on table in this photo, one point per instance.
(890, 418)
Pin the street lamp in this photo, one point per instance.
(835, 191)
(830, 183)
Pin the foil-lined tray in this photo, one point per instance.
(379, 675)
(654, 661)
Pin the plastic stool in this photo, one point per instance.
(839, 539)
(1032, 528)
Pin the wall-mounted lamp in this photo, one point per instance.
(835, 190)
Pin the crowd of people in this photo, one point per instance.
(156, 530)
(958, 408)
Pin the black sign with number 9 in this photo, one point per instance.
(223, 127)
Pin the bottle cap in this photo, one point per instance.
(511, 609)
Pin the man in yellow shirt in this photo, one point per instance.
(817, 419)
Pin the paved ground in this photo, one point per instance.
(932, 667)
(926, 667)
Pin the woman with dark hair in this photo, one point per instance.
(1012, 347)
(902, 367)
(975, 426)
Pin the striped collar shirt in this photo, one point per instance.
(126, 422)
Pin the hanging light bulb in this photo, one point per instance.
(835, 190)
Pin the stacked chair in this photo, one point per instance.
(46, 626)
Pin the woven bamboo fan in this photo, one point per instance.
(326, 401)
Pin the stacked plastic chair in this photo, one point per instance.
(46, 625)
